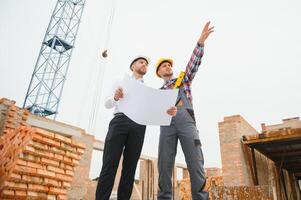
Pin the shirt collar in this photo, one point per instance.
(170, 81)
(139, 79)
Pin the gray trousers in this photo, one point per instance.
(183, 128)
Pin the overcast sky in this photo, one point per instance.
(251, 64)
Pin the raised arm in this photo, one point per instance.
(197, 54)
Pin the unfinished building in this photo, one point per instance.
(47, 159)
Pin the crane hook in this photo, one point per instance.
(105, 53)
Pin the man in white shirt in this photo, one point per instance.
(124, 137)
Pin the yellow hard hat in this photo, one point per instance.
(160, 61)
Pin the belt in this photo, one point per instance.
(118, 114)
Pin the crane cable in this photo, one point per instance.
(101, 71)
(109, 30)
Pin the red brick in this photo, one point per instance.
(80, 150)
(29, 149)
(72, 155)
(15, 177)
(66, 184)
(64, 177)
(32, 194)
(78, 144)
(44, 133)
(8, 193)
(62, 197)
(39, 145)
(55, 190)
(57, 150)
(20, 194)
(30, 157)
(32, 179)
(8, 184)
(13, 185)
(50, 162)
(59, 157)
(45, 173)
(37, 137)
(35, 165)
(69, 167)
(67, 160)
(25, 170)
(10, 120)
(45, 140)
(75, 162)
(26, 178)
(63, 138)
(45, 154)
(70, 173)
(52, 142)
(67, 147)
(51, 197)
(22, 162)
(55, 169)
(66, 166)
(39, 188)
(8, 125)
(52, 182)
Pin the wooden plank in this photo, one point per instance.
(254, 166)
(248, 155)
(287, 134)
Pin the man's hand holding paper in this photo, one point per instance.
(146, 105)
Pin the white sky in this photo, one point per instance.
(251, 64)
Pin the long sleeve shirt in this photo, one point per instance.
(190, 71)
(110, 101)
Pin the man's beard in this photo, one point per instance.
(140, 72)
(168, 74)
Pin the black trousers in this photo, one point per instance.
(124, 136)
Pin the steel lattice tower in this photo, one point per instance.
(49, 75)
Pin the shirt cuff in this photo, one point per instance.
(198, 45)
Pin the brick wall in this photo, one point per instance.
(35, 163)
(11, 117)
(235, 170)
(213, 171)
(235, 167)
(81, 180)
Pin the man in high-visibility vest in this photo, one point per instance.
(183, 126)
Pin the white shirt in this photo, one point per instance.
(110, 101)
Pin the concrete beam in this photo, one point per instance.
(54, 126)
(98, 145)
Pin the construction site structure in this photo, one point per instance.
(50, 71)
(45, 159)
